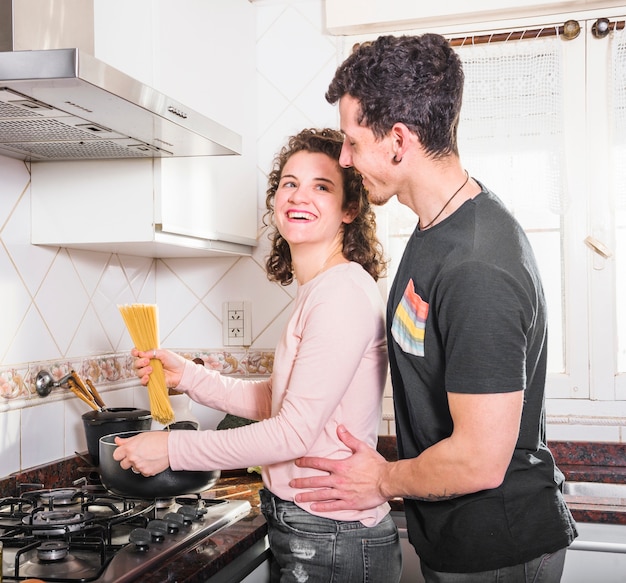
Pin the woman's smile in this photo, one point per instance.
(309, 200)
(300, 216)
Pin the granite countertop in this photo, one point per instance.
(593, 462)
(579, 461)
(212, 554)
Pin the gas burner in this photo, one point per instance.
(161, 503)
(67, 568)
(54, 496)
(79, 535)
(15, 508)
(65, 520)
(52, 551)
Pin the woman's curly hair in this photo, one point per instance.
(360, 243)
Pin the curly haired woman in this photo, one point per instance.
(329, 370)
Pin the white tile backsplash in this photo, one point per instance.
(10, 432)
(43, 433)
(573, 432)
(75, 440)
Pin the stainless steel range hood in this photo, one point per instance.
(59, 102)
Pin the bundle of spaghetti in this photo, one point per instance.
(143, 326)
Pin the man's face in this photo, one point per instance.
(370, 156)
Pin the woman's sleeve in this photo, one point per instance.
(240, 397)
(338, 330)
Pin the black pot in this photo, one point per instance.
(164, 485)
(114, 420)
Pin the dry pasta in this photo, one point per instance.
(143, 326)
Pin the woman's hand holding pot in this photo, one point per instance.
(145, 453)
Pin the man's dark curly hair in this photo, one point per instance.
(415, 80)
(360, 243)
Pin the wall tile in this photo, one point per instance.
(42, 434)
(31, 261)
(17, 302)
(10, 432)
(200, 327)
(573, 432)
(14, 183)
(62, 300)
(75, 440)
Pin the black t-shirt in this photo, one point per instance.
(467, 314)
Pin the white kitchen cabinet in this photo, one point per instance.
(132, 207)
(203, 55)
(598, 554)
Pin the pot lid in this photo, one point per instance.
(115, 414)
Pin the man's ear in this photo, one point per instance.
(401, 137)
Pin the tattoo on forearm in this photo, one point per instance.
(435, 497)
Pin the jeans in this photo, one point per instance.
(545, 569)
(312, 549)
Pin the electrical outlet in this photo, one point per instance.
(236, 327)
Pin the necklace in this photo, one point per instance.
(445, 205)
(326, 262)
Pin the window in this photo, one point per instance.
(543, 125)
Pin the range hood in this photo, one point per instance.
(59, 102)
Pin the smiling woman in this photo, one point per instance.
(329, 370)
(309, 213)
(358, 226)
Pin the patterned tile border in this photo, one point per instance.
(17, 382)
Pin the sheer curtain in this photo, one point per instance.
(618, 182)
(511, 138)
(525, 132)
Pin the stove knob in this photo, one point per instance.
(189, 513)
(174, 521)
(141, 538)
(158, 530)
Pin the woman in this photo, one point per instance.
(329, 369)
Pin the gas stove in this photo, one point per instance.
(87, 534)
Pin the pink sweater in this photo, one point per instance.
(329, 368)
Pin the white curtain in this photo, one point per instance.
(618, 183)
(510, 132)
(618, 109)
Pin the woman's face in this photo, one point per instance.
(309, 199)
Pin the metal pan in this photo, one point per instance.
(164, 485)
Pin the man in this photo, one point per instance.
(466, 323)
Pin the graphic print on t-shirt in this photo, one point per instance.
(409, 321)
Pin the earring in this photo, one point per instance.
(395, 159)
